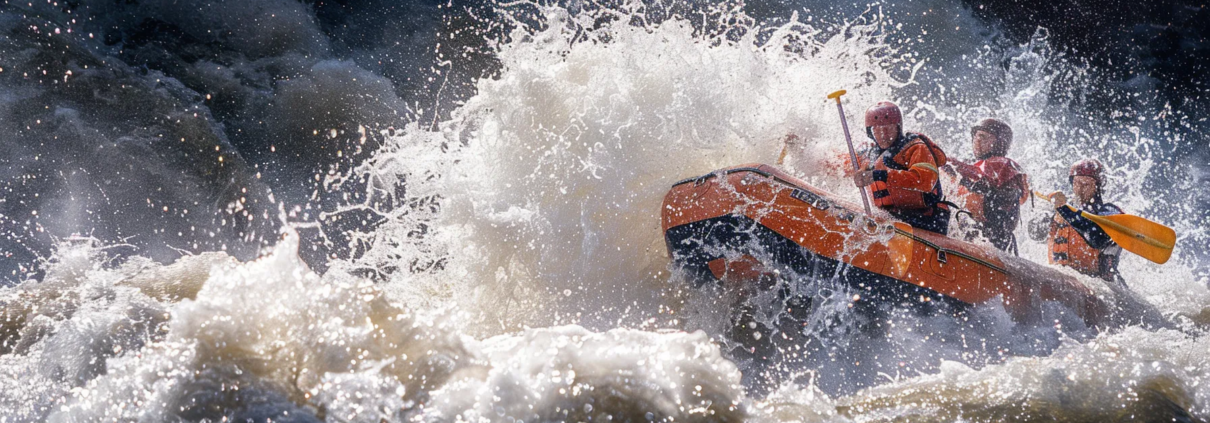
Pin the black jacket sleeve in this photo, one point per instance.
(1092, 234)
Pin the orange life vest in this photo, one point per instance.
(906, 176)
(1069, 248)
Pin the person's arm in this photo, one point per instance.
(967, 171)
(969, 176)
(921, 174)
(1092, 234)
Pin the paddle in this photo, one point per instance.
(1148, 239)
(849, 139)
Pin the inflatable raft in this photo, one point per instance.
(744, 224)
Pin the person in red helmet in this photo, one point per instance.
(994, 186)
(1076, 242)
(901, 170)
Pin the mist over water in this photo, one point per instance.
(502, 259)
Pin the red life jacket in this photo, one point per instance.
(994, 189)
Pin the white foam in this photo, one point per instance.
(569, 373)
(1134, 372)
(561, 162)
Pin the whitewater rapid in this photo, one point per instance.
(516, 269)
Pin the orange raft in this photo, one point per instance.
(749, 221)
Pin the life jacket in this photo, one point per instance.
(914, 185)
(1069, 248)
(994, 190)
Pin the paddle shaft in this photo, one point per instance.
(852, 153)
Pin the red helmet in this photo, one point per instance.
(883, 113)
(1088, 167)
(998, 129)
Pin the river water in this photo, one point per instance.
(507, 262)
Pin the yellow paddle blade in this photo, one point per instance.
(1148, 239)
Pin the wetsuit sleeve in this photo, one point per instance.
(921, 175)
(1092, 234)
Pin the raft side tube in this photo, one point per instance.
(799, 228)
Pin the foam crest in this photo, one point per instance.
(1132, 373)
(267, 338)
(58, 334)
(270, 339)
(568, 373)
